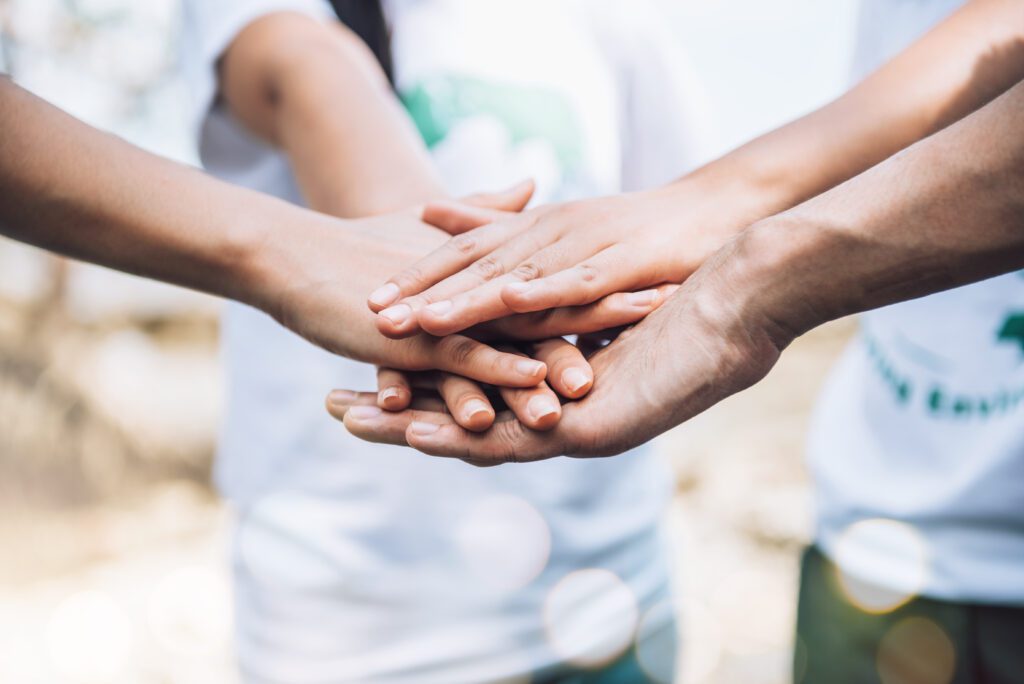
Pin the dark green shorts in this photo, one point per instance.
(922, 642)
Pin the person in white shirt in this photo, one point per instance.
(366, 563)
(917, 452)
(917, 445)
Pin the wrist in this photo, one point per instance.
(779, 274)
(268, 263)
(722, 200)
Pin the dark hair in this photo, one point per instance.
(366, 19)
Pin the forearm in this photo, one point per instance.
(946, 212)
(961, 65)
(317, 92)
(69, 188)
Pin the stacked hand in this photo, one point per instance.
(566, 264)
(465, 375)
(610, 250)
(696, 349)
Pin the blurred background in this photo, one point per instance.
(112, 562)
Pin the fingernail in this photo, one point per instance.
(440, 308)
(390, 393)
(341, 398)
(529, 368)
(645, 298)
(397, 314)
(364, 412)
(519, 288)
(383, 296)
(540, 407)
(575, 379)
(423, 429)
(475, 406)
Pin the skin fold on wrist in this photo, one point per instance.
(269, 264)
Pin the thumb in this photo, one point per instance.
(513, 199)
(457, 217)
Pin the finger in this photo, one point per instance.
(460, 301)
(464, 262)
(394, 390)
(614, 269)
(508, 441)
(340, 401)
(481, 300)
(477, 361)
(466, 402)
(449, 258)
(568, 371)
(538, 408)
(614, 311)
(513, 199)
(477, 210)
(456, 218)
(383, 427)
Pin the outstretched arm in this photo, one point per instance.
(71, 189)
(946, 212)
(314, 90)
(574, 253)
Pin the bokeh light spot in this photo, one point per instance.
(916, 651)
(505, 542)
(882, 564)
(656, 645)
(703, 642)
(190, 612)
(90, 638)
(590, 617)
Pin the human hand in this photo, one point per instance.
(557, 256)
(313, 280)
(470, 406)
(711, 339)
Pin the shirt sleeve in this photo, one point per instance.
(667, 122)
(209, 27)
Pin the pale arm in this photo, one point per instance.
(571, 254)
(946, 212)
(69, 188)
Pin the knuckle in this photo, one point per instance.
(417, 302)
(410, 279)
(488, 268)
(587, 273)
(528, 270)
(509, 436)
(463, 244)
(460, 351)
(561, 212)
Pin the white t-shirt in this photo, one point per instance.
(360, 562)
(922, 422)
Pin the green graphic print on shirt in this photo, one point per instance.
(940, 401)
(437, 104)
(1012, 331)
